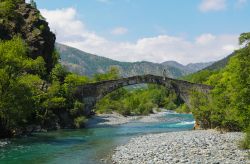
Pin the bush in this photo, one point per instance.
(245, 143)
(78, 108)
(80, 121)
(183, 109)
(170, 106)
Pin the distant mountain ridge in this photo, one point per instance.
(88, 64)
(219, 64)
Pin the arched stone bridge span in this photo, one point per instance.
(90, 93)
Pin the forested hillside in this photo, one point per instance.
(204, 73)
(88, 64)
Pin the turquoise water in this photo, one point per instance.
(85, 146)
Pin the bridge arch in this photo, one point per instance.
(90, 93)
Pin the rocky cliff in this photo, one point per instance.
(26, 21)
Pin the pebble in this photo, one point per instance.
(200, 146)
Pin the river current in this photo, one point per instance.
(85, 146)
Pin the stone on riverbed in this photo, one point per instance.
(203, 146)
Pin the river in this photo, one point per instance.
(85, 146)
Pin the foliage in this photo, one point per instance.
(136, 102)
(58, 73)
(244, 38)
(201, 109)
(33, 3)
(18, 89)
(199, 77)
(228, 104)
(7, 7)
(26, 98)
(80, 121)
(77, 109)
(183, 109)
(113, 73)
(245, 143)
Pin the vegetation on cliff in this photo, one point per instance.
(35, 90)
(24, 20)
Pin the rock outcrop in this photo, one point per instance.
(27, 22)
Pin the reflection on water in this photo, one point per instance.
(86, 146)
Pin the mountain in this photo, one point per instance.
(189, 68)
(194, 67)
(88, 64)
(203, 75)
(219, 64)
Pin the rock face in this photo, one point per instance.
(91, 93)
(28, 23)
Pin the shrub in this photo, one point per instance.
(80, 121)
(245, 143)
(183, 109)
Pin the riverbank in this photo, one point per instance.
(201, 146)
(114, 118)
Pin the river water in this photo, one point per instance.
(85, 146)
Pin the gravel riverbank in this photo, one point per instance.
(100, 120)
(201, 146)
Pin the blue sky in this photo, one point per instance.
(152, 30)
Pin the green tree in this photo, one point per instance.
(112, 74)
(228, 105)
(18, 90)
(202, 109)
(33, 3)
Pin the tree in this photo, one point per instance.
(244, 38)
(19, 90)
(229, 107)
(33, 3)
(113, 73)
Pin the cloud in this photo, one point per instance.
(73, 32)
(205, 39)
(119, 31)
(212, 5)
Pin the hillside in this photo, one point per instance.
(203, 75)
(219, 64)
(88, 64)
(189, 68)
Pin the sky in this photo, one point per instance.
(186, 31)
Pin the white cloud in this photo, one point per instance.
(205, 39)
(73, 32)
(212, 5)
(119, 31)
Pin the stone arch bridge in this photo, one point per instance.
(90, 93)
